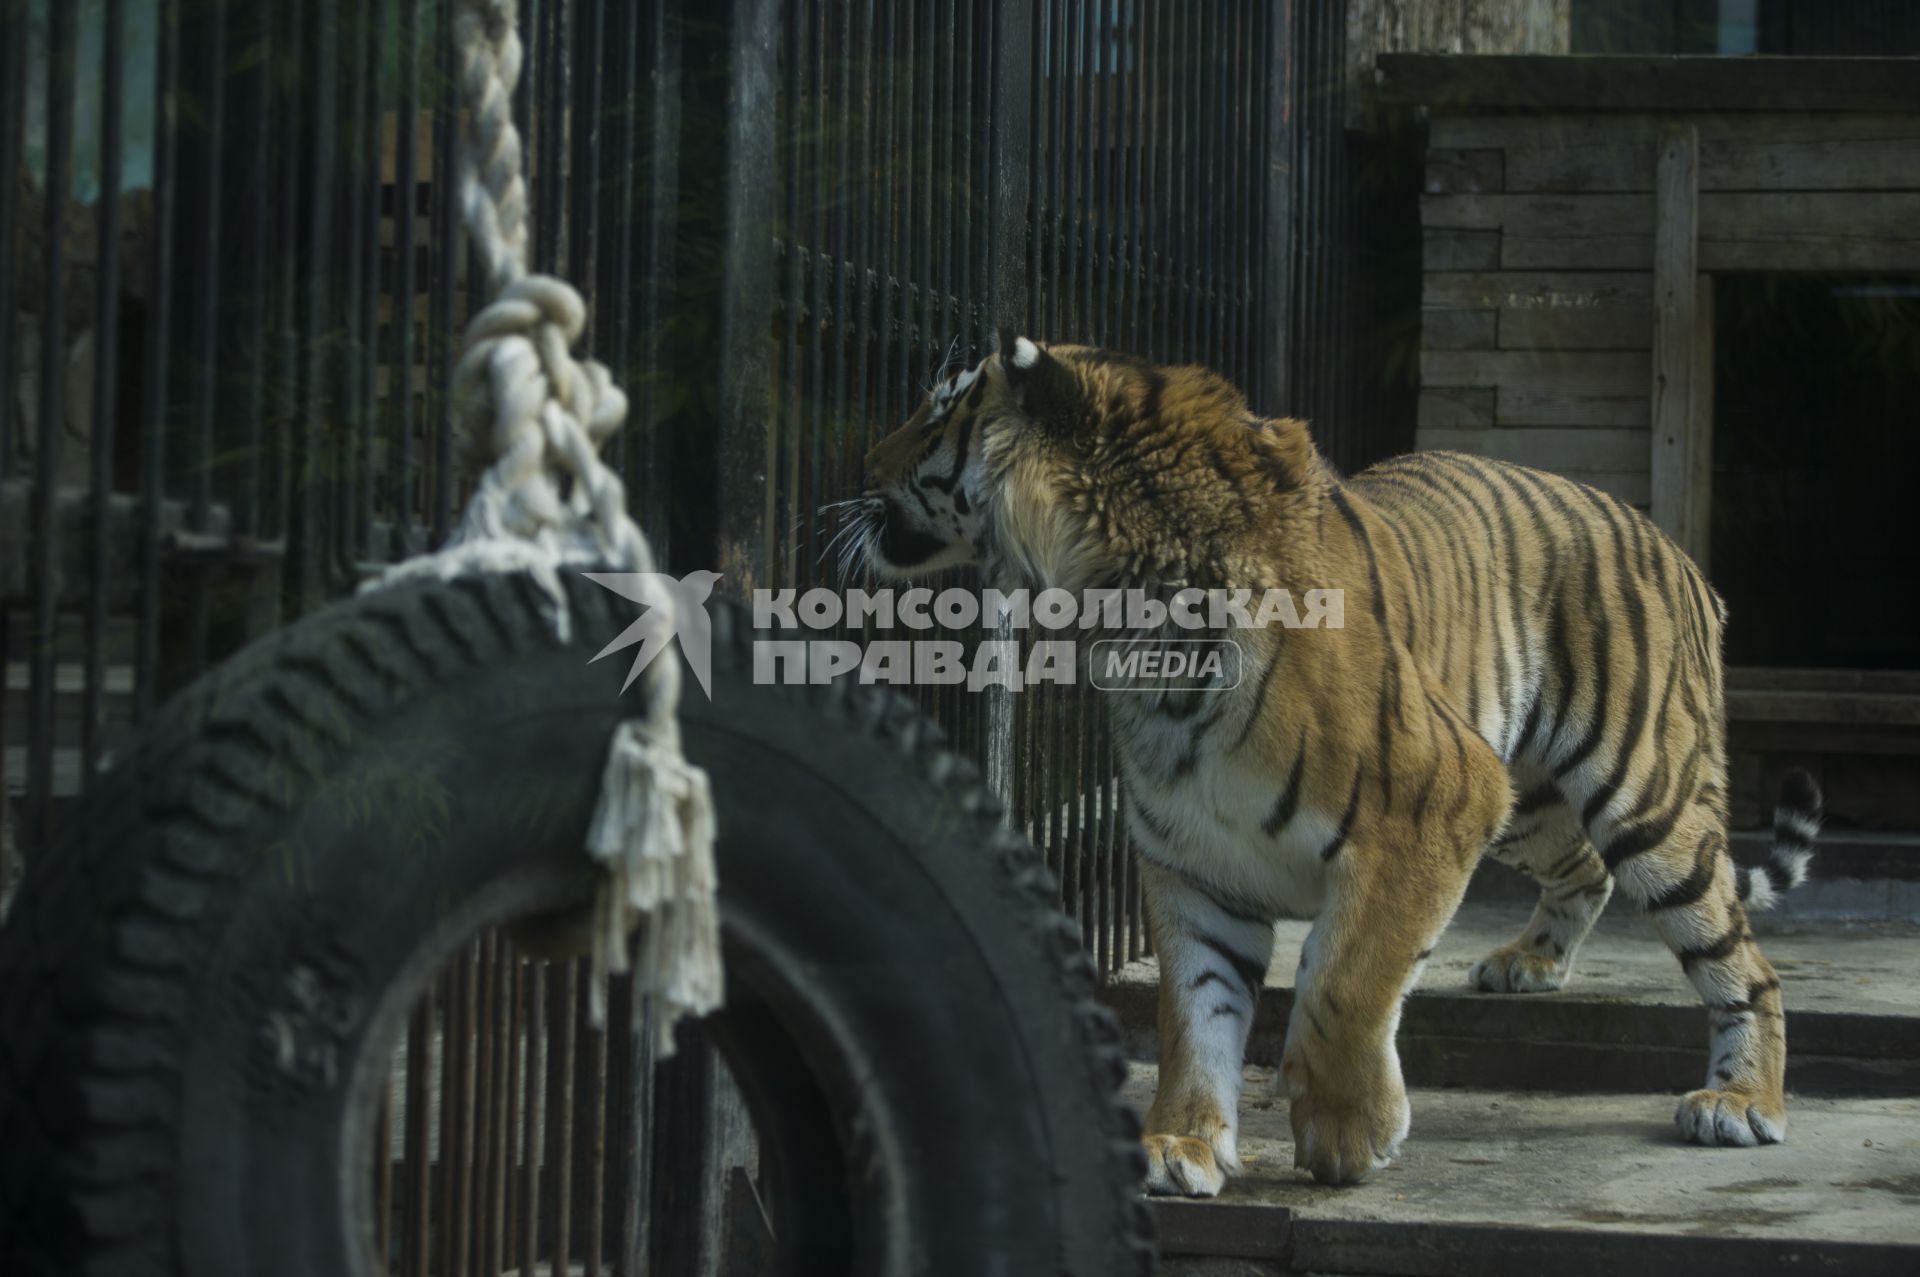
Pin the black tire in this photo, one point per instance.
(200, 992)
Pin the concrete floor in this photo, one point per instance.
(1848, 1172)
(1490, 1181)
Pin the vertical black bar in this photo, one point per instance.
(13, 101)
(882, 259)
(1234, 222)
(637, 1201)
(316, 394)
(1010, 143)
(1208, 110)
(623, 99)
(587, 40)
(901, 266)
(847, 439)
(246, 316)
(623, 1160)
(551, 97)
(415, 1250)
(1158, 191)
(1039, 147)
(523, 91)
(926, 239)
(788, 418)
(106, 310)
(1179, 194)
(533, 1117)
(1179, 190)
(1321, 181)
(1007, 245)
(827, 267)
(1051, 317)
(1081, 289)
(483, 1113)
(860, 322)
(209, 56)
(555, 191)
(153, 423)
(662, 251)
(969, 196)
(406, 214)
(446, 239)
(341, 442)
(289, 22)
(746, 530)
(62, 39)
(613, 117)
(376, 99)
(682, 1104)
(949, 327)
(1132, 112)
(530, 117)
(186, 618)
(1106, 76)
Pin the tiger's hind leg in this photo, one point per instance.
(1545, 840)
(1674, 863)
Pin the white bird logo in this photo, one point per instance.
(686, 599)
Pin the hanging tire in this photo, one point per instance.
(200, 993)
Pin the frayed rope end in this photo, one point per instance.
(653, 829)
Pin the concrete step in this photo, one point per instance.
(1628, 1020)
(1497, 1184)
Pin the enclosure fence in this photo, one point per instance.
(234, 280)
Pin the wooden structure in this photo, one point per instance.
(1576, 211)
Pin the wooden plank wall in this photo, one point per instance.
(1540, 232)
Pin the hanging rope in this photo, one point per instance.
(534, 417)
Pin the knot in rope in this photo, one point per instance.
(538, 416)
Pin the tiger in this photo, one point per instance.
(1527, 668)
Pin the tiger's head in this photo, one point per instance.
(1080, 468)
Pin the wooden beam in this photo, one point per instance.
(1745, 151)
(1464, 172)
(1579, 449)
(1460, 250)
(1814, 231)
(1455, 407)
(1676, 256)
(1458, 329)
(1603, 83)
(1557, 406)
(1699, 494)
(1601, 328)
(1533, 290)
(1612, 373)
(1739, 231)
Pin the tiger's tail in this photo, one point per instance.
(1796, 823)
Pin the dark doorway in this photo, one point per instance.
(1816, 442)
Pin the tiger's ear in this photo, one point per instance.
(1047, 390)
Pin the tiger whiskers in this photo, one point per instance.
(859, 527)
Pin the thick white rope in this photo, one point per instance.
(536, 417)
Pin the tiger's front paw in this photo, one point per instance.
(1514, 969)
(1183, 1166)
(1347, 1122)
(1731, 1119)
